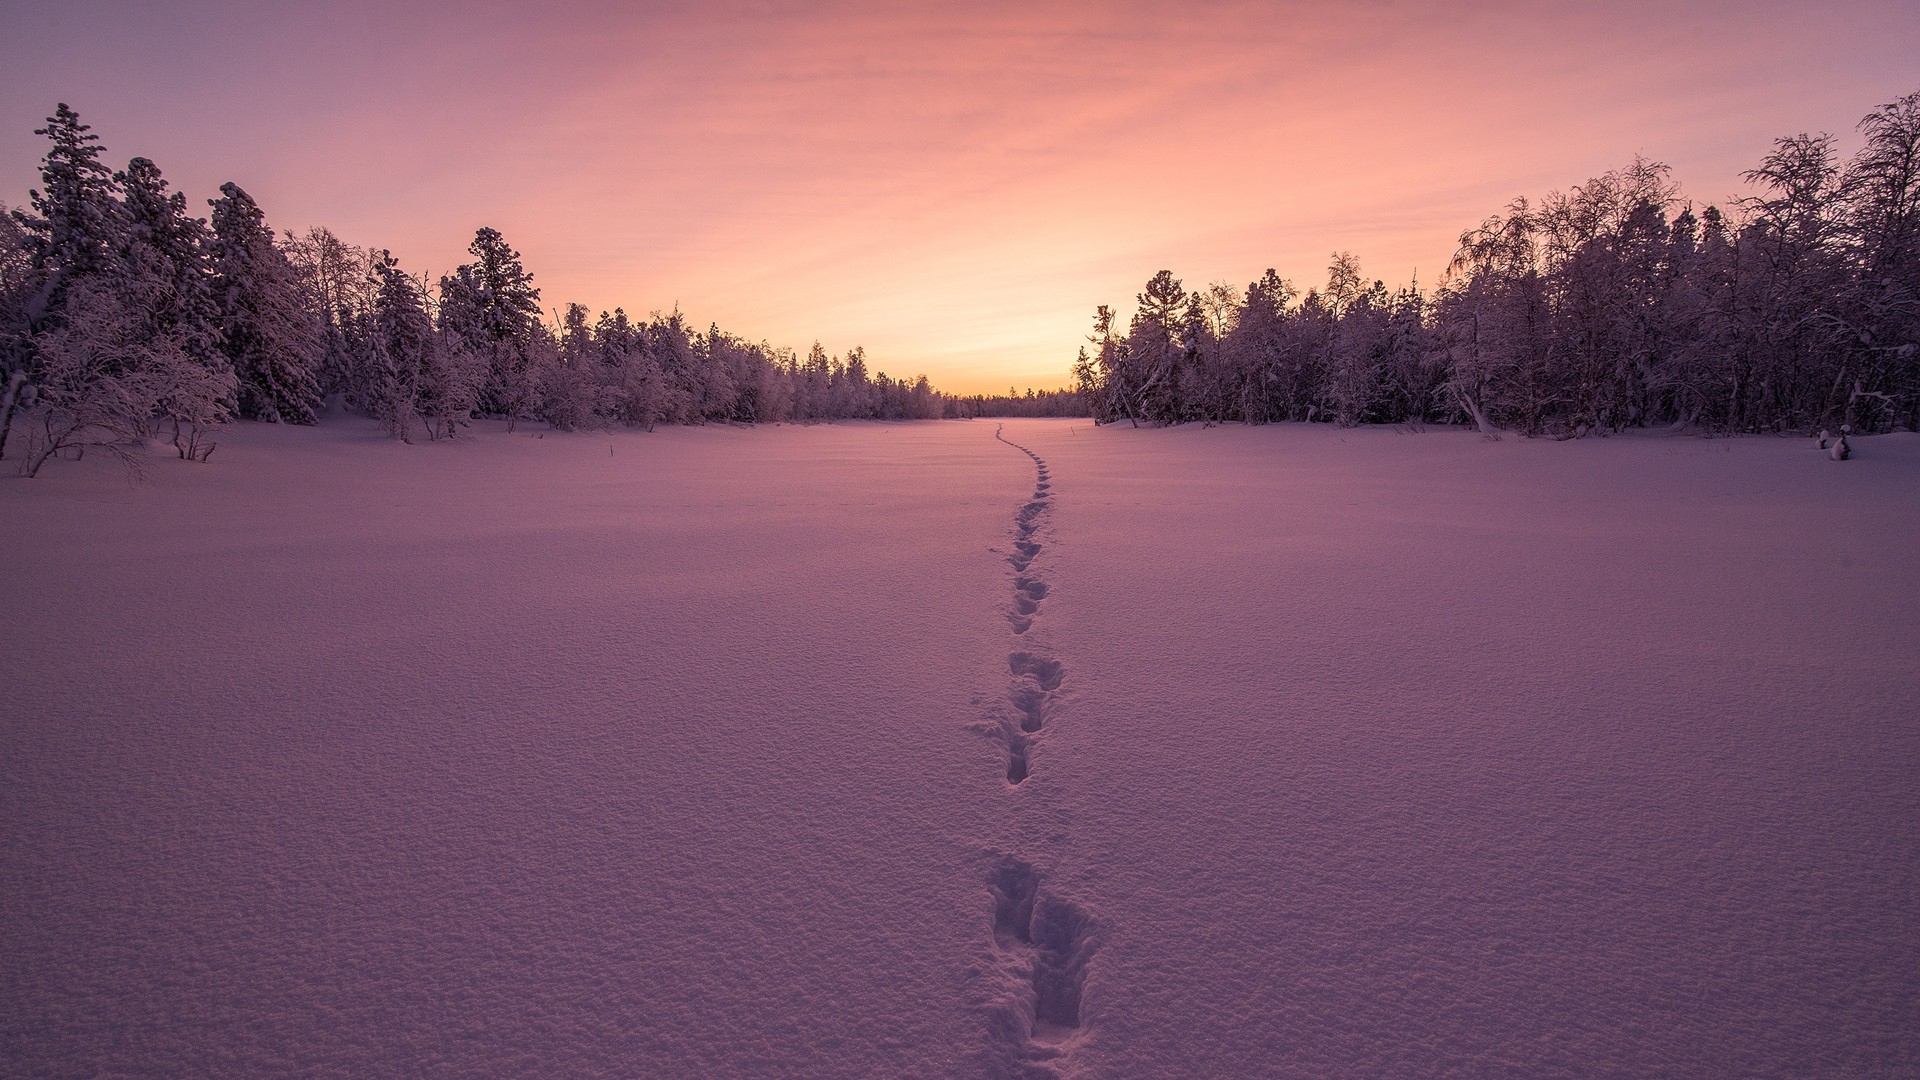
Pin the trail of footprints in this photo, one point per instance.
(1045, 940)
(1034, 678)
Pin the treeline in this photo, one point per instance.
(123, 318)
(1051, 403)
(1611, 306)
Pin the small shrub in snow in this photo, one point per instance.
(106, 381)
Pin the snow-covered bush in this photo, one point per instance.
(105, 380)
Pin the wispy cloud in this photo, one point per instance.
(952, 185)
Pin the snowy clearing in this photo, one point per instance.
(905, 750)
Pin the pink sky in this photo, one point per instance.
(953, 186)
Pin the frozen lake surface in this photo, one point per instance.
(905, 750)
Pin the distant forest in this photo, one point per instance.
(123, 318)
(1612, 306)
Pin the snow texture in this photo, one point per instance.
(905, 750)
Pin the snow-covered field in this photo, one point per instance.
(1341, 753)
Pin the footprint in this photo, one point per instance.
(1017, 769)
(1063, 941)
(1024, 551)
(1058, 939)
(1014, 886)
(1046, 673)
(1032, 703)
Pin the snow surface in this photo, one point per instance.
(1346, 753)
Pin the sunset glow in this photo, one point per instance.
(955, 187)
(967, 541)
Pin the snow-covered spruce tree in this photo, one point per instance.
(1411, 378)
(645, 397)
(76, 220)
(1696, 252)
(672, 347)
(774, 394)
(273, 337)
(71, 234)
(493, 304)
(339, 280)
(1263, 347)
(452, 374)
(629, 377)
(570, 386)
(1355, 358)
(1155, 352)
(715, 389)
(401, 341)
(163, 266)
(810, 379)
(859, 394)
(1086, 383)
(17, 287)
(1207, 380)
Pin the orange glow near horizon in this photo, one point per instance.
(953, 187)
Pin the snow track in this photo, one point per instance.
(1289, 751)
(1034, 678)
(1044, 940)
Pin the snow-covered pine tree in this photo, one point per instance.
(272, 335)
